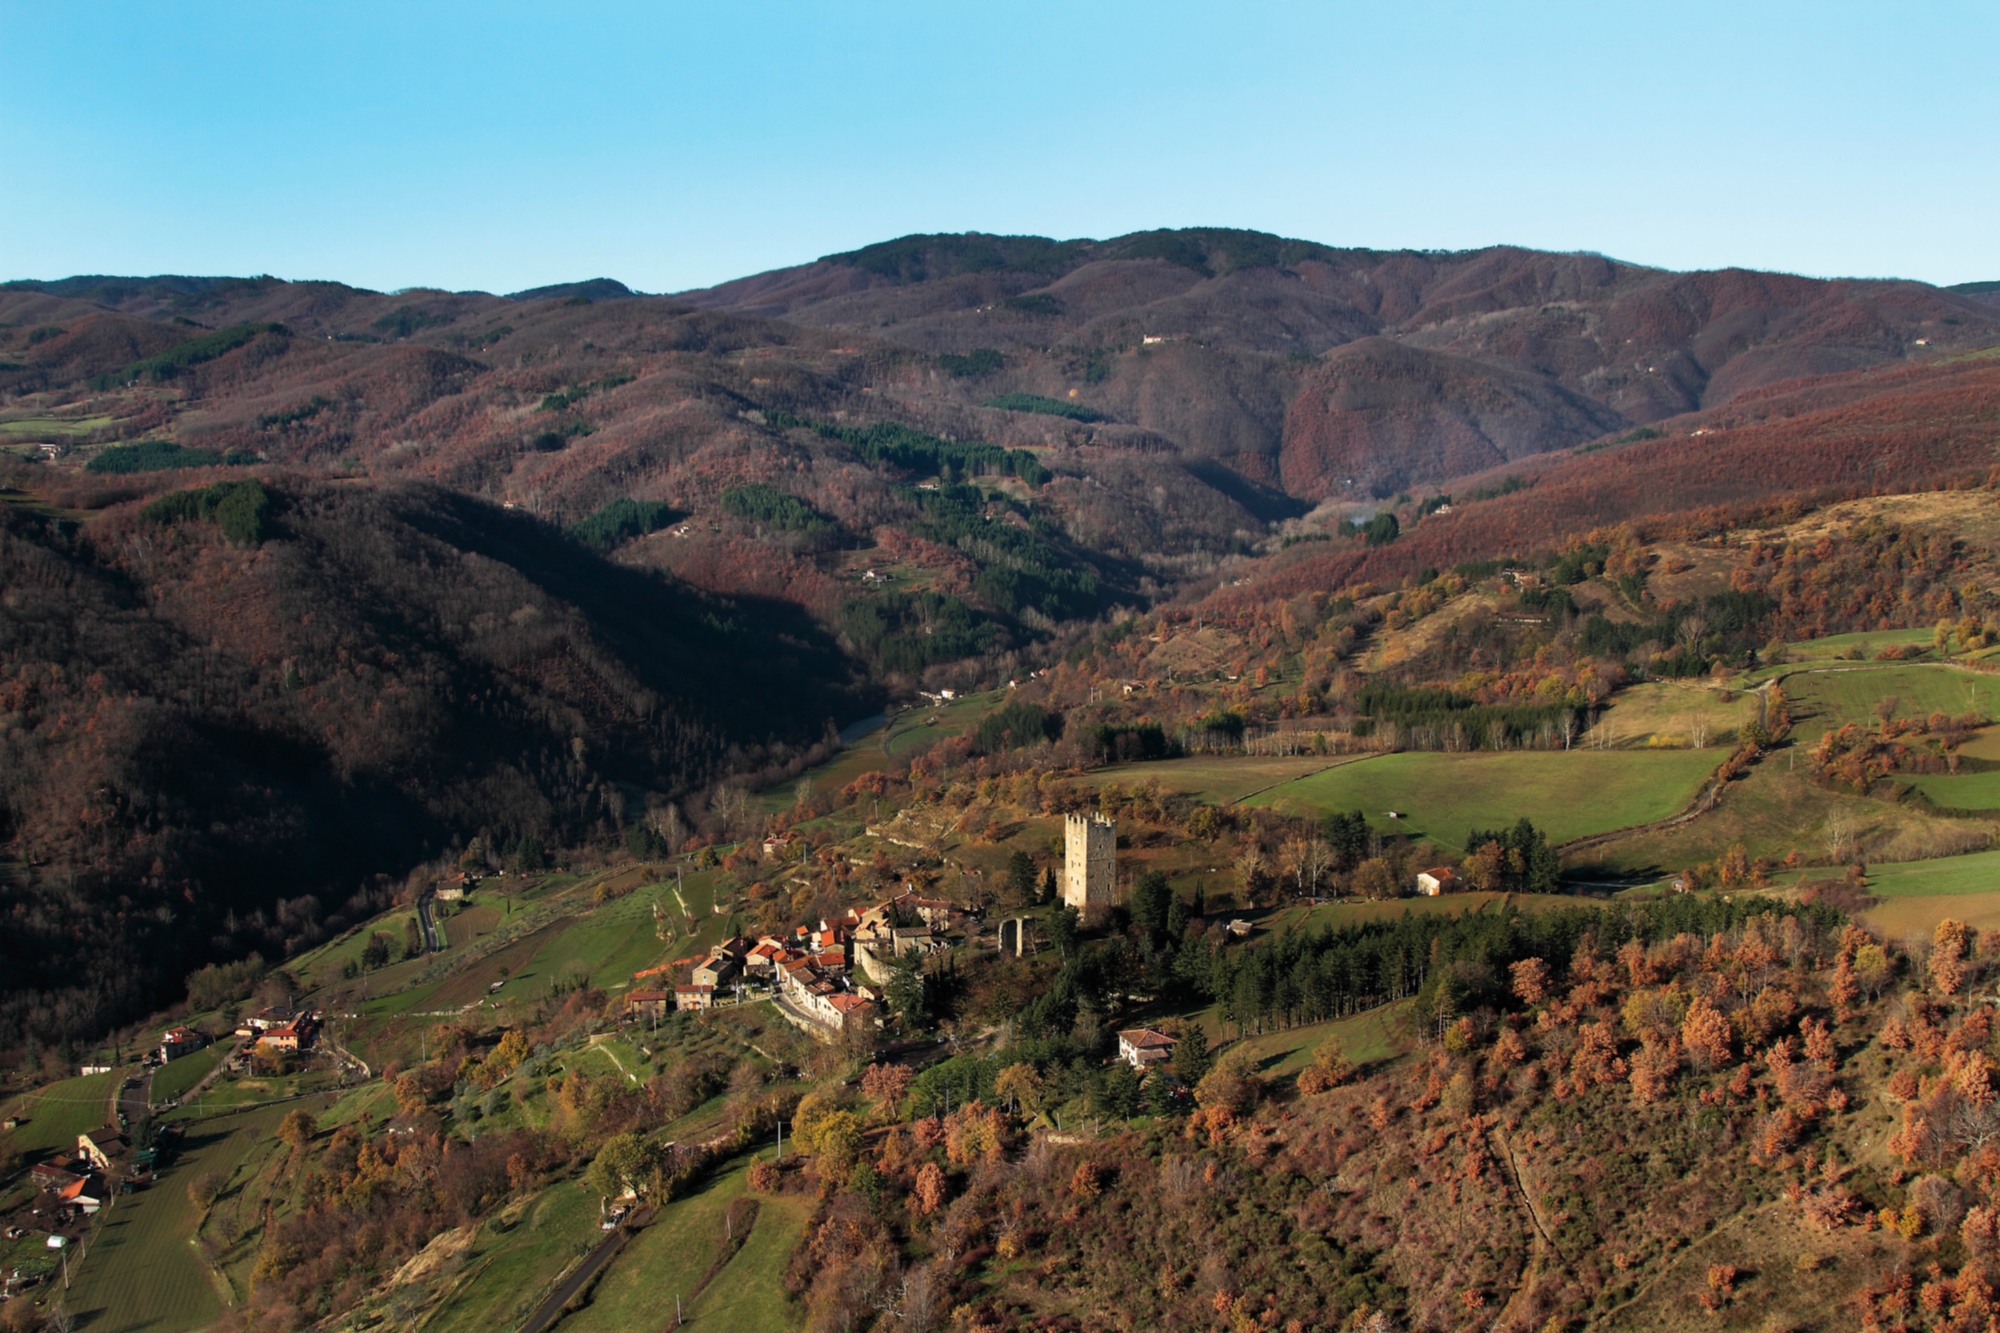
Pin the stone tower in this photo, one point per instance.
(1090, 852)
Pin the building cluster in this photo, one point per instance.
(822, 972)
(280, 1029)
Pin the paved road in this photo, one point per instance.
(430, 930)
(593, 1263)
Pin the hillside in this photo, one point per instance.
(215, 744)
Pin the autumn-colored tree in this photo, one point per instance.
(1021, 1086)
(1705, 1035)
(1951, 942)
(1653, 1066)
(1328, 1070)
(409, 1093)
(1531, 981)
(1486, 868)
(886, 1086)
(836, 1144)
(1842, 988)
(296, 1130)
(929, 1194)
(1083, 1182)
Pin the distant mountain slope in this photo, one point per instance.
(1643, 343)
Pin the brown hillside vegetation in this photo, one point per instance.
(372, 680)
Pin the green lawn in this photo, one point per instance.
(1218, 779)
(1976, 873)
(1960, 791)
(142, 1273)
(671, 1256)
(184, 1073)
(51, 428)
(1378, 1034)
(1567, 793)
(1868, 643)
(513, 1265)
(52, 1117)
(1827, 697)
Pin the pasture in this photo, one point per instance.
(1773, 810)
(517, 1256)
(681, 1248)
(1365, 1038)
(1826, 697)
(176, 1078)
(142, 1273)
(1854, 647)
(1960, 791)
(1667, 712)
(1568, 794)
(51, 1117)
(1225, 779)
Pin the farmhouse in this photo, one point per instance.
(1436, 880)
(646, 1003)
(1143, 1048)
(715, 971)
(694, 998)
(178, 1042)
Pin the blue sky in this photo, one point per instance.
(499, 146)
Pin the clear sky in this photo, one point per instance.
(499, 146)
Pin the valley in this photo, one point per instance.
(571, 805)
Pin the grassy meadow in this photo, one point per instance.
(1569, 794)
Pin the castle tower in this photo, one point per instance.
(1090, 851)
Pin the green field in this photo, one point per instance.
(1568, 794)
(142, 1273)
(1868, 643)
(1365, 1038)
(512, 1264)
(1947, 875)
(672, 1255)
(52, 1117)
(1217, 779)
(1960, 791)
(176, 1078)
(1825, 698)
(51, 428)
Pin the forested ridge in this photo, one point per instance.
(213, 746)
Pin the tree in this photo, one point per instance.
(907, 996)
(928, 1196)
(1048, 893)
(621, 1165)
(1328, 1070)
(1152, 900)
(1021, 875)
(413, 938)
(837, 1143)
(205, 1189)
(1064, 924)
(1121, 1091)
(296, 1130)
(1705, 1034)
(1530, 979)
(1191, 1058)
(886, 1085)
(1021, 1086)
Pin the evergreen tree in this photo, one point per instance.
(1191, 1059)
